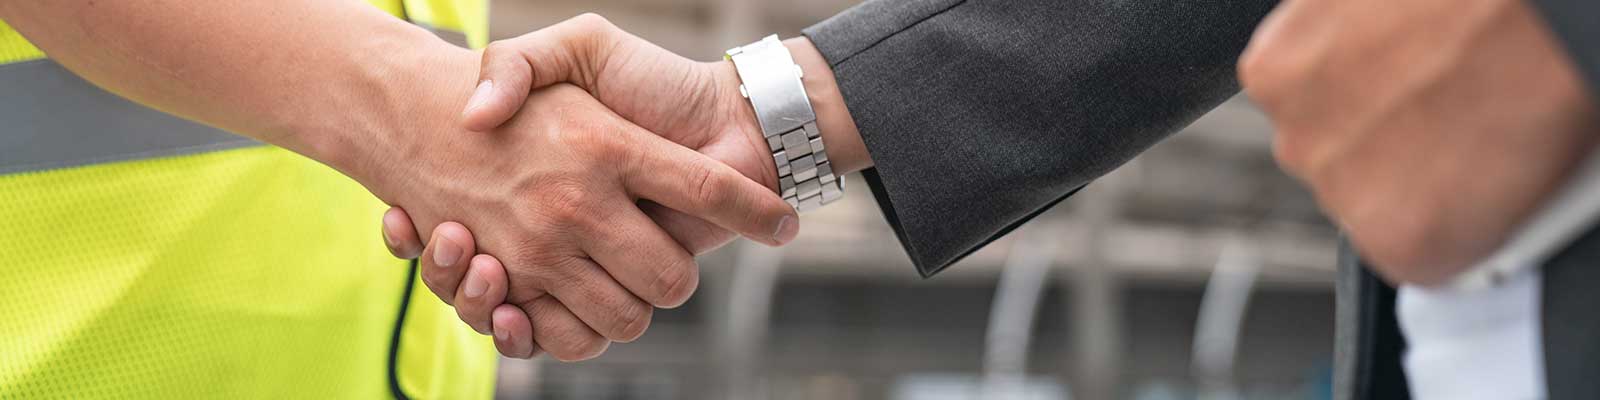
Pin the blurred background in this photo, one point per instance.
(1199, 270)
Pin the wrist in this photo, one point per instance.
(387, 109)
(845, 151)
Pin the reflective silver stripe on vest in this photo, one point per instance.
(51, 118)
(54, 119)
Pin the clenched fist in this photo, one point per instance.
(1428, 129)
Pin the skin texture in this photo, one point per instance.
(696, 104)
(1428, 129)
(552, 190)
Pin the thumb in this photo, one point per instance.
(513, 67)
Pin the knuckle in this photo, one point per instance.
(499, 49)
(1287, 152)
(1403, 246)
(444, 295)
(565, 200)
(442, 282)
(634, 320)
(1266, 74)
(437, 284)
(473, 317)
(1250, 65)
(1255, 87)
(535, 279)
(561, 274)
(566, 272)
(588, 134)
(676, 282)
(709, 185)
(577, 344)
(1295, 150)
(592, 22)
(548, 272)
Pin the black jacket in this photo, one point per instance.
(981, 114)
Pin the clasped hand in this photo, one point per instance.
(1389, 121)
(599, 219)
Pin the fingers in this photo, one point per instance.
(513, 332)
(511, 68)
(681, 179)
(640, 256)
(445, 259)
(561, 333)
(596, 299)
(483, 288)
(400, 235)
(694, 234)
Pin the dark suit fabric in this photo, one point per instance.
(981, 114)
(1570, 320)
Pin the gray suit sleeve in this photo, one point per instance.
(980, 114)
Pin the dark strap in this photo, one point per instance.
(1571, 320)
(1367, 345)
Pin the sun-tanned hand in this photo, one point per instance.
(580, 260)
(695, 104)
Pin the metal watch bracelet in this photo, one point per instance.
(771, 80)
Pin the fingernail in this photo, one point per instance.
(786, 231)
(500, 334)
(446, 254)
(480, 95)
(475, 286)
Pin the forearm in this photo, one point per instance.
(314, 76)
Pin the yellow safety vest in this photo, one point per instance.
(149, 257)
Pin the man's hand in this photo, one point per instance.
(553, 195)
(1428, 129)
(695, 104)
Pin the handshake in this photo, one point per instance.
(563, 194)
(593, 167)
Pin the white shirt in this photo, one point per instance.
(1479, 336)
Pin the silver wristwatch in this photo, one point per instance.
(771, 80)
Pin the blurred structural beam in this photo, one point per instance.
(1095, 291)
(1222, 311)
(741, 329)
(1016, 301)
(737, 22)
(1096, 331)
